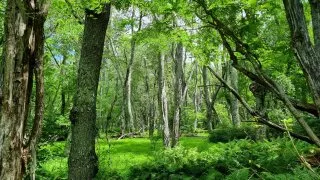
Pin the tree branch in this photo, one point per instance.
(261, 119)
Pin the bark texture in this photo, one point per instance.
(83, 161)
(178, 94)
(163, 102)
(23, 57)
(207, 99)
(234, 105)
(128, 123)
(63, 92)
(306, 53)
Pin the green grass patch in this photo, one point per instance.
(142, 158)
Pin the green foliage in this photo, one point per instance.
(55, 128)
(195, 158)
(226, 134)
(52, 161)
(189, 116)
(241, 174)
(233, 160)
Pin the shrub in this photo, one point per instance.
(240, 159)
(233, 133)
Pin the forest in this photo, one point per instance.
(159, 89)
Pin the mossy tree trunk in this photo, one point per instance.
(83, 161)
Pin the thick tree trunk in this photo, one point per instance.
(315, 13)
(207, 99)
(163, 104)
(83, 161)
(307, 54)
(23, 53)
(178, 94)
(39, 104)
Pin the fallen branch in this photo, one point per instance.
(130, 134)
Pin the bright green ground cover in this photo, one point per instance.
(196, 157)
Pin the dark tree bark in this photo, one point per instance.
(83, 161)
(307, 54)
(178, 94)
(207, 99)
(63, 92)
(259, 93)
(23, 57)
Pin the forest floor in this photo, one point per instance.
(119, 157)
(114, 155)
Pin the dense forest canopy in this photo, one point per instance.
(78, 77)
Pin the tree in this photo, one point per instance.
(233, 102)
(163, 102)
(23, 59)
(83, 162)
(307, 53)
(209, 104)
(178, 93)
(128, 115)
(255, 72)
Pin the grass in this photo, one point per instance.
(114, 156)
(118, 157)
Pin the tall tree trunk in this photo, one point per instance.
(307, 54)
(195, 100)
(148, 103)
(63, 92)
(234, 105)
(23, 56)
(207, 98)
(83, 161)
(178, 91)
(128, 116)
(152, 113)
(163, 104)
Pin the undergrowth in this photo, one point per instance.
(195, 158)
